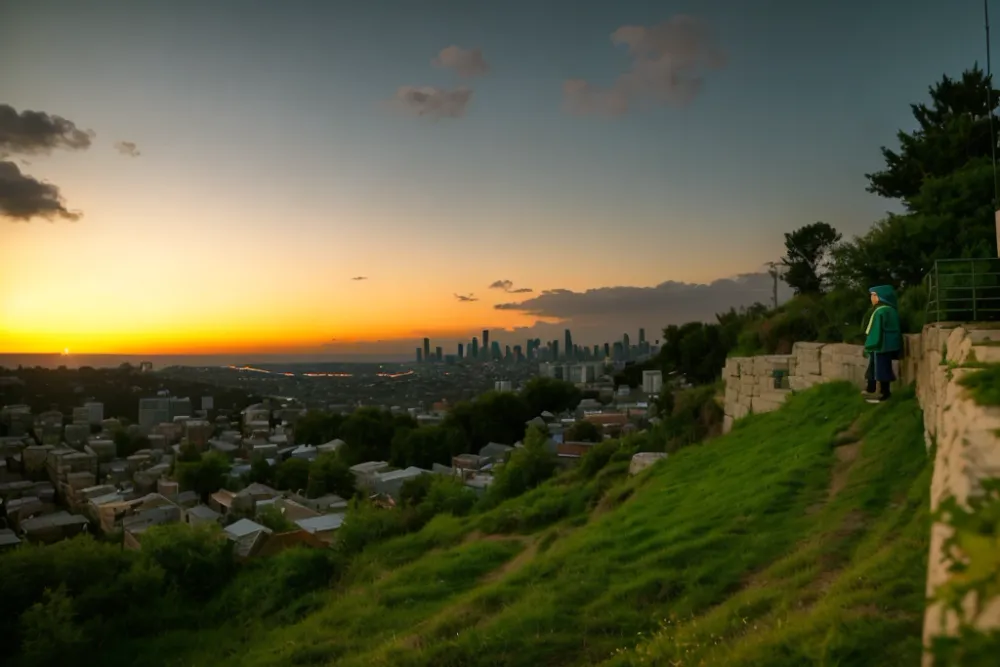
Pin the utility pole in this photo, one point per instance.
(773, 272)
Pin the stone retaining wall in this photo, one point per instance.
(967, 447)
(760, 384)
(965, 434)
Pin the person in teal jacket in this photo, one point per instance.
(883, 342)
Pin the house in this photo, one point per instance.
(140, 513)
(573, 450)
(364, 473)
(248, 535)
(479, 483)
(278, 542)
(331, 446)
(323, 526)
(201, 514)
(494, 452)
(391, 483)
(244, 527)
(8, 540)
(328, 503)
(144, 518)
(50, 528)
(608, 421)
(288, 508)
(304, 452)
(467, 462)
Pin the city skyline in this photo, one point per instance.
(342, 179)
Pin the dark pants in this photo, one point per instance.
(880, 371)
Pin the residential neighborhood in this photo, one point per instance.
(64, 474)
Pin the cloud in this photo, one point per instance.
(38, 133)
(467, 63)
(127, 148)
(360, 278)
(668, 61)
(667, 303)
(508, 286)
(433, 102)
(23, 197)
(466, 298)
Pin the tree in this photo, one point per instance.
(292, 474)
(952, 131)
(584, 432)
(806, 252)
(427, 445)
(943, 174)
(527, 467)
(316, 427)
(261, 472)
(205, 476)
(368, 433)
(271, 517)
(197, 559)
(542, 394)
(329, 474)
(52, 634)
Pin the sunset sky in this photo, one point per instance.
(276, 152)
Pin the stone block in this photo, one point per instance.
(807, 368)
(958, 345)
(761, 405)
(643, 460)
(804, 382)
(740, 410)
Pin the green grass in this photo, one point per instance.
(984, 385)
(762, 547)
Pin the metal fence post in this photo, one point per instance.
(972, 263)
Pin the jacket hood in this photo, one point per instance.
(885, 293)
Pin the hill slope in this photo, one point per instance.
(799, 538)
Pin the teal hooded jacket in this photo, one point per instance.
(884, 333)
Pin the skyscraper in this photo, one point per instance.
(569, 343)
(642, 336)
(474, 349)
(420, 355)
(427, 349)
(486, 343)
(461, 350)
(438, 353)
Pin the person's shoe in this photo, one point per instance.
(875, 399)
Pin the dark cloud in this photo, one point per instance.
(466, 62)
(127, 148)
(668, 61)
(433, 102)
(37, 133)
(360, 278)
(466, 297)
(23, 197)
(508, 286)
(667, 303)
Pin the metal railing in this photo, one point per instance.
(963, 290)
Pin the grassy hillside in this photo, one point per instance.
(799, 538)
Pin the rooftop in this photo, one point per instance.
(245, 527)
(322, 523)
